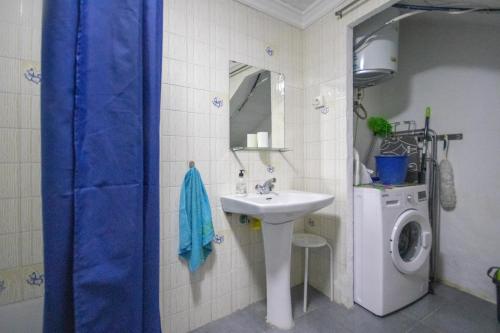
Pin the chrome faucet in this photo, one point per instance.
(267, 187)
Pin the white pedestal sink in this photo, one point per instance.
(277, 211)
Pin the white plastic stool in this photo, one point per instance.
(312, 241)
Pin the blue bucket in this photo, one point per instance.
(392, 169)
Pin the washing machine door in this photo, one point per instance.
(411, 241)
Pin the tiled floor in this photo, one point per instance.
(449, 310)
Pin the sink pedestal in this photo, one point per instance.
(278, 248)
(278, 211)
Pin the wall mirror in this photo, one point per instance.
(257, 108)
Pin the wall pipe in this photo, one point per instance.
(451, 10)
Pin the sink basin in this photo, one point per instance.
(277, 211)
(276, 207)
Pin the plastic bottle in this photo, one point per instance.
(241, 185)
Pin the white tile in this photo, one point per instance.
(174, 198)
(24, 180)
(176, 47)
(200, 54)
(26, 214)
(24, 107)
(9, 151)
(240, 298)
(9, 211)
(220, 36)
(24, 47)
(179, 275)
(177, 98)
(221, 306)
(35, 146)
(24, 146)
(176, 21)
(178, 323)
(200, 316)
(9, 181)
(35, 112)
(37, 14)
(199, 101)
(220, 58)
(177, 172)
(178, 148)
(202, 149)
(26, 248)
(36, 180)
(219, 80)
(177, 123)
(36, 44)
(176, 72)
(201, 125)
(9, 75)
(36, 213)
(9, 41)
(9, 110)
(221, 284)
(201, 30)
(10, 11)
(201, 10)
(180, 299)
(9, 249)
(27, 12)
(199, 76)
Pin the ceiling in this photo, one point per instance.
(300, 5)
(299, 13)
(302, 13)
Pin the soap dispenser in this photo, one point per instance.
(241, 185)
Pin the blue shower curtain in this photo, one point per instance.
(101, 63)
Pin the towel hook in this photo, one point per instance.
(191, 164)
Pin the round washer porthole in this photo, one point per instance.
(411, 241)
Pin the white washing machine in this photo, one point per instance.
(392, 244)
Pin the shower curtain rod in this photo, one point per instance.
(340, 12)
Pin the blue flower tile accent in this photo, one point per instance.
(269, 51)
(311, 222)
(33, 76)
(219, 239)
(217, 102)
(2, 286)
(35, 279)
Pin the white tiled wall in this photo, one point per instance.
(21, 271)
(200, 37)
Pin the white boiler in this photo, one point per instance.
(376, 47)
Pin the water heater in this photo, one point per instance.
(376, 59)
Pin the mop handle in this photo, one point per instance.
(423, 168)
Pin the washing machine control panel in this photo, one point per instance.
(422, 195)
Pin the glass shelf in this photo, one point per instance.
(281, 150)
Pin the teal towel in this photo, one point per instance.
(195, 221)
